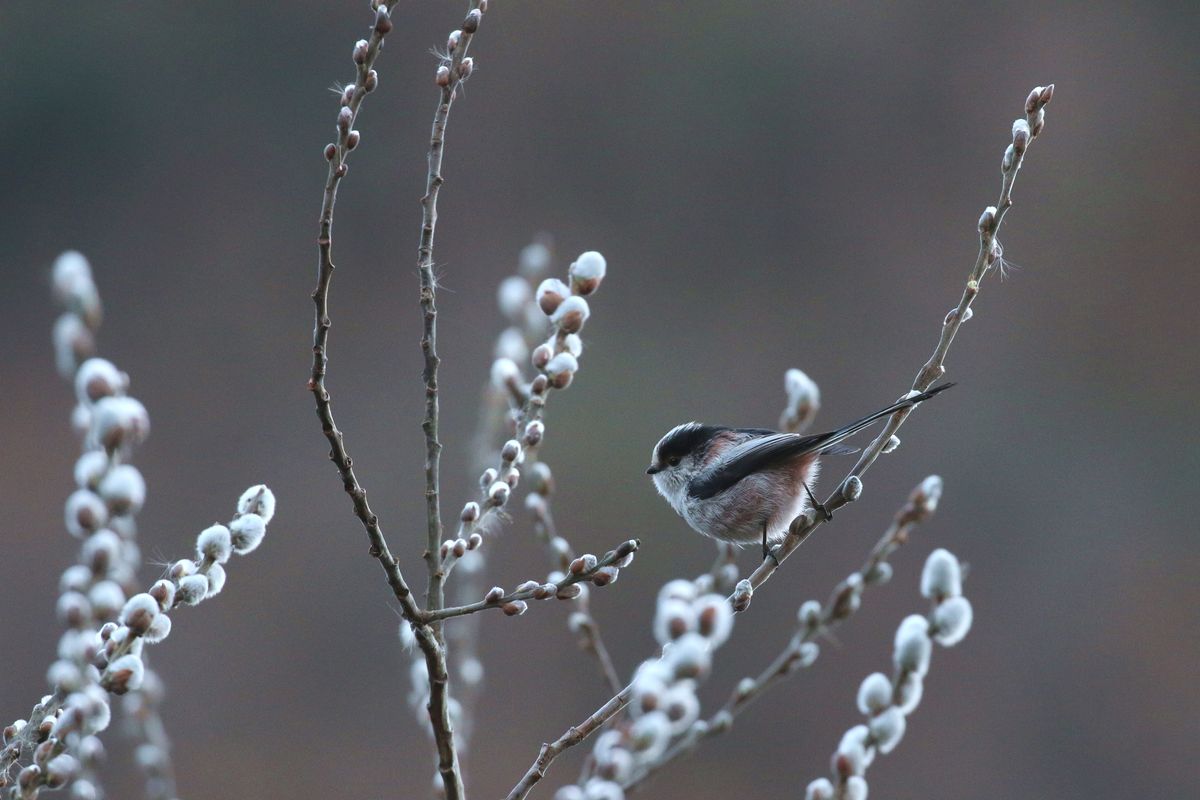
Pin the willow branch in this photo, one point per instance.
(448, 78)
(1024, 131)
(581, 570)
(365, 53)
(585, 624)
(573, 736)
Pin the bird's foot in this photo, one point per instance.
(823, 512)
(768, 552)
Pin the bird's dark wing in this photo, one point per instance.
(750, 457)
(765, 451)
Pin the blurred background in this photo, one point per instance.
(774, 184)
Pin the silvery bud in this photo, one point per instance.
(875, 693)
(511, 451)
(912, 646)
(258, 500)
(139, 613)
(571, 314)
(124, 675)
(97, 378)
(246, 533)
(550, 295)
(942, 575)
(214, 543)
(513, 295)
(714, 618)
(587, 272)
(952, 621)
(820, 789)
(561, 369)
(887, 728)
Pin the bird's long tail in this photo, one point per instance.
(831, 439)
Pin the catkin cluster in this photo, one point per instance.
(887, 702)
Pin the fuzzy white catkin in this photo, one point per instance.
(258, 500)
(931, 490)
(107, 598)
(191, 590)
(61, 770)
(571, 314)
(139, 613)
(616, 765)
(90, 468)
(649, 736)
(534, 260)
(408, 639)
(65, 675)
(912, 646)
(120, 420)
(130, 669)
(124, 489)
(952, 620)
(510, 344)
(681, 706)
(875, 693)
(942, 575)
(809, 614)
(569, 793)
(71, 339)
(689, 656)
(672, 619)
(214, 544)
(504, 371)
(853, 749)
(908, 694)
(820, 789)
(512, 296)
(100, 551)
(84, 512)
(679, 589)
(71, 274)
(471, 671)
(589, 265)
(714, 618)
(76, 577)
(598, 789)
(573, 344)
(855, 789)
(800, 388)
(216, 580)
(159, 629)
(246, 533)
(887, 728)
(96, 378)
(550, 294)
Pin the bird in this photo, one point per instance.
(743, 485)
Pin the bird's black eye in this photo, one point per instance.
(673, 461)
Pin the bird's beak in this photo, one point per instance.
(652, 470)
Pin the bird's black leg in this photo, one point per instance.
(767, 552)
(819, 507)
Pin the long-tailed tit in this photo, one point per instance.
(747, 484)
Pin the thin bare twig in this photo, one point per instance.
(448, 77)
(1024, 131)
(573, 736)
(365, 53)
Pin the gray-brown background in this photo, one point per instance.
(775, 184)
